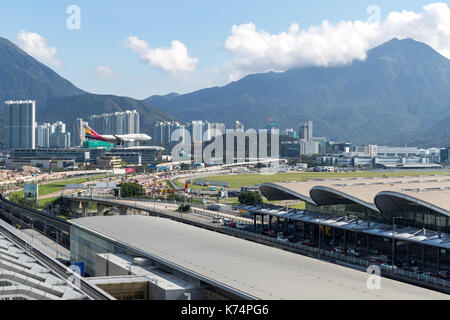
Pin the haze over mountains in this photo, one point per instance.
(23, 77)
(399, 94)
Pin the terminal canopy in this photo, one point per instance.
(390, 202)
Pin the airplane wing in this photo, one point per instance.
(123, 139)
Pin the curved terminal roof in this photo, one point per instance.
(432, 192)
(280, 192)
(324, 196)
(389, 201)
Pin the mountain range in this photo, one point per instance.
(22, 77)
(399, 94)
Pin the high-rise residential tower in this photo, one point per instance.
(306, 131)
(43, 133)
(78, 133)
(162, 132)
(19, 124)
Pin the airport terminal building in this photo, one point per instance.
(360, 213)
(156, 258)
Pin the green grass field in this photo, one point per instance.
(240, 180)
(51, 187)
(43, 203)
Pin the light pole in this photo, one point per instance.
(32, 229)
(57, 249)
(320, 236)
(393, 241)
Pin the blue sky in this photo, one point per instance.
(202, 27)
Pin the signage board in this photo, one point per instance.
(31, 191)
(78, 267)
(130, 170)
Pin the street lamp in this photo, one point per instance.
(32, 229)
(56, 246)
(320, 236)
(321, 233)
(393, 241)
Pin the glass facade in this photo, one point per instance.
(425, 218)
(85, 246)
(349, 210)
(420, 218)
(407, 253)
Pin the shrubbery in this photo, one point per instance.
(184, 208)
(250, 198)
(131, 190)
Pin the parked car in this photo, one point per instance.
(353, 252)
(388, 265)
(269, 233)
(429, 274)
(292, 239)
(308, 242)
(229, 223)
(403, 265)
(443, 275)
(282, 239)
(241, 226)
(376, 261)
(217, 220)
(339, 250)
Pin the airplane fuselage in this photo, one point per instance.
(115, 138)
(122, 138)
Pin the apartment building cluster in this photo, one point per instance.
(199, 131)
(126, 122)
(35, 144)
(302, 142)
(52, 135)
(22, 131)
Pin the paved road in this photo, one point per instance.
(173, 207)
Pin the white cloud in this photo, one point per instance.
(172, 60)
(333, 44)
(104, 72)
(36, 46)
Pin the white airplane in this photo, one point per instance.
(115, 138)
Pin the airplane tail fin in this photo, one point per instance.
(89, 131)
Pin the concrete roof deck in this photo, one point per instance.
(260, 271)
